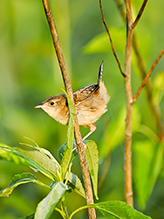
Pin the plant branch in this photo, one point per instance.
(68, 87)
(127, 16)
(141, 66)
(128, 130)
(147, 76)
(58, 49)
(139, 14)
(110, 38)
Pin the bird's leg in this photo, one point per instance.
(92, 129)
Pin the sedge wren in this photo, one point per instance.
(90, 103)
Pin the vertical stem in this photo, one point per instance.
(58, 49)
(128, 131)
(68, 87)
(86, 176)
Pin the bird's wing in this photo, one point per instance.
(85, 93)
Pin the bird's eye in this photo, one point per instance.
(52, 103)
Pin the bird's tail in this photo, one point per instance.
(100, 73)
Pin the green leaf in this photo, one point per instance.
(148, 158)
(40, 162)
(70, 136)
(115, 209)
(76, 185)
(73, 180)
(48, 153)
(47, 205)
(62, 149)
(6, 154)
(101, 42)
(119, 209)
(92, 158)
(18, 180)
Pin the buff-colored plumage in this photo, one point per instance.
(90, 104)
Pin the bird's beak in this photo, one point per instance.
(38, 106)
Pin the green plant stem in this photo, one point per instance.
(62, 213)
(64, 209)
(77, 210)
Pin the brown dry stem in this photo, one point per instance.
(141, 67)
(139, 14)
(147, 76)
(68, 87)
(127, 78)
(129, 108)
(110, 38)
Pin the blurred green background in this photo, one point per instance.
(29, 73)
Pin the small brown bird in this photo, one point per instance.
(90, 104)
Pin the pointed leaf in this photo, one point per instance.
(18, 180)
(6, 154)
(47, 205)
(92, 158)
(115, 209)
(119, 209)
(73, 180)
(46, 152)
(76, 185)
(41, 162)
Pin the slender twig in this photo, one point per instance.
(58, 49)
(128, 130)
(141, 66)
(147, 76)
(68, 87)
(110, 38)
(139, 14)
